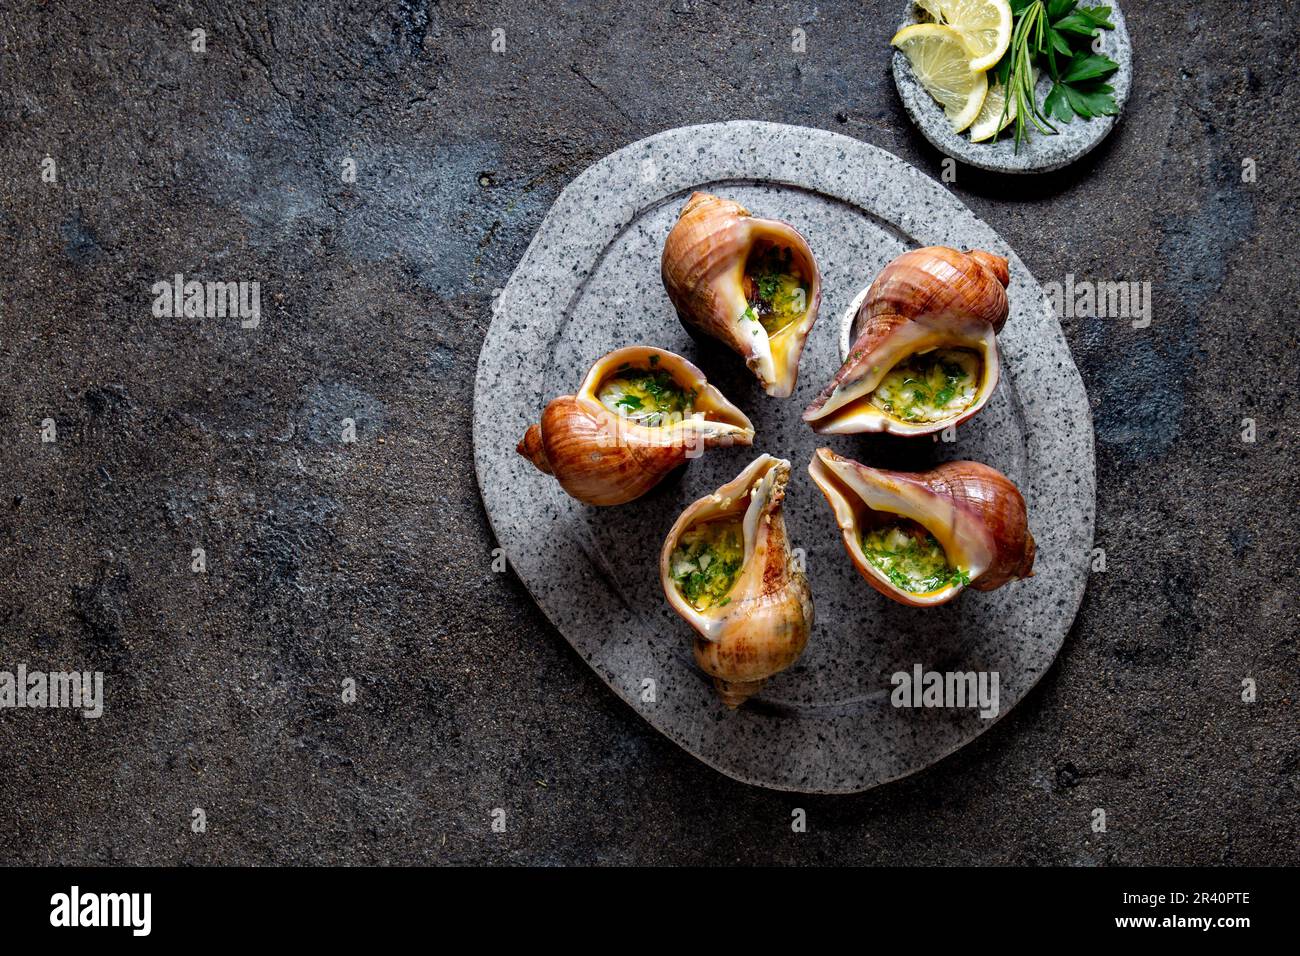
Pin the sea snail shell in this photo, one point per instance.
(610, 454)
(751, 283)
(927, 305)
(760, 625)
(973, 512)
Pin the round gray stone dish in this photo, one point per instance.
(589, 282)
(1041, 152)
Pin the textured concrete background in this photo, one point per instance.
(372, 560)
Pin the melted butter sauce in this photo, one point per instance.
(707, 560)
(646, 396)
(911, 557)
(930, 387)
(775, 288)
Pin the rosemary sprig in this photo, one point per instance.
(1045, 30)
(1016, 70)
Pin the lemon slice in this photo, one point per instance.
(985, 25)
(990, 122)
(941, 59)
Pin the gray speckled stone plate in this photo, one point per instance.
(1042, 152)
(589, 283)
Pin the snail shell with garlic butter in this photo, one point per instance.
(925, 354)
(728, 570)
(639, 413)
(749, 282)
(921, 538)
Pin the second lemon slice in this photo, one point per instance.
(990, 121)
(985, 25)
(941, 60)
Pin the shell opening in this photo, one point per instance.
(777, 286)
(935, 385)
(651, 388)
(925, 381)
(902, 546)
(906, 553)
(707, 560)
(647, 394)
(711, 553)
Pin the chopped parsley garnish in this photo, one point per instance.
(911, 558)
(707, 560)
(775, 289)
(768, 286)
(933, 386)
(650, 397)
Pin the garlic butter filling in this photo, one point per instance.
(776, 288)
(646, 396)
(911, 557)
(707, 560)
(930, 386)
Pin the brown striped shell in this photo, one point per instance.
(933, 297)
(703, 272)
(976, 513)
(602, 458)
(765, 624)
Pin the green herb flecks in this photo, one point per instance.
(911, 558)
(776, 290)
(647, 396)
(706, 562)
(930, 387)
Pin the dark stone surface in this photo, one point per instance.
(372, 561)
